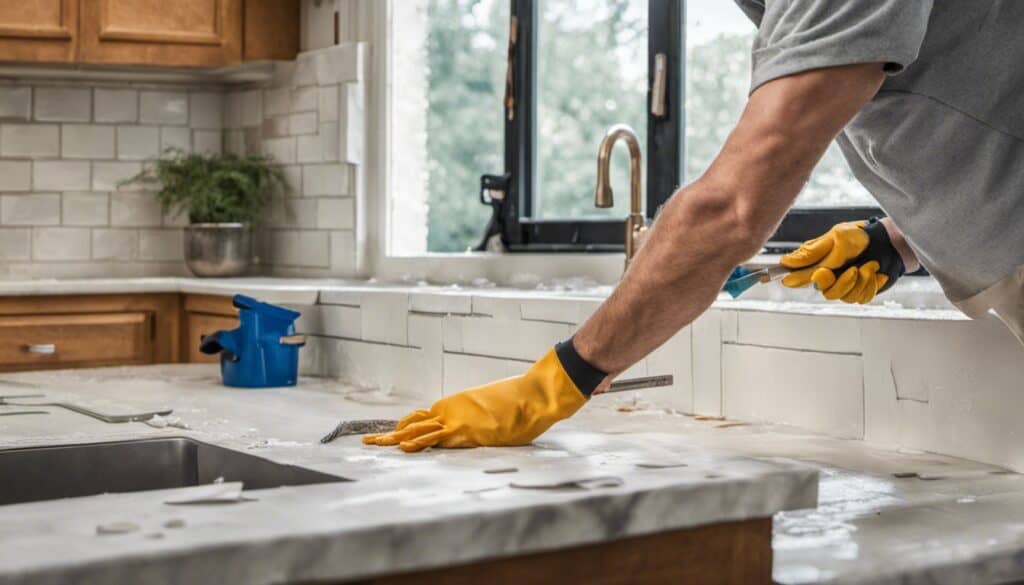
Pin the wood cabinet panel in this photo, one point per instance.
(163, 310)
(38, 30)
(31, 342)
(185, 33)
(271, 30)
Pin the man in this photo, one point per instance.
(929, 98)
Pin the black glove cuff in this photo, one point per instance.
(880, 249)
(585, 376)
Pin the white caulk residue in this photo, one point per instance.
(272, 442)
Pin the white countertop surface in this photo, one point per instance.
(911, 298)
(403, 512)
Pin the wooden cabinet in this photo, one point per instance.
(61, 341)
(184, 33)
(204, 314)
(46, 332)
(38, 30)
(178, 33)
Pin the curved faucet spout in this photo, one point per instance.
(603, 196)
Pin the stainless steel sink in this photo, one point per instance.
(47, 473)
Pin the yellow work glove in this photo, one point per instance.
(513, 411)
(853, 262)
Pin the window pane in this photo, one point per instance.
(718, 41)
(447, 127)
(591, 74)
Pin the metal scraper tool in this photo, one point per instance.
(378, 425)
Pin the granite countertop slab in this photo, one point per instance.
(403, 512)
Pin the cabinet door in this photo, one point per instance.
(38, 30)
(182, 33)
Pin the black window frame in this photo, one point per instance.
(664, 153)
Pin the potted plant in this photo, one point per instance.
(223, 194)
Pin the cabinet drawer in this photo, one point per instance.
(29, 342)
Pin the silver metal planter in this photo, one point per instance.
(218, 249)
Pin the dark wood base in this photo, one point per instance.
(719, 554)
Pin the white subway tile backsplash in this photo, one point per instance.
(15, 243)
(232, 110)
(15, 175)
(309, 149)
(115, 105)
(813, 332)
(328, 179)
(15, 103)
(281, 150)
(327, 100)
(304, 99)
(207, 141)
(821, 392)
(315, 249)
(29, 139)
(161, 245)
(85, 209)
(341, 321)
(115, 244)
(330, 139)
(53, 175)
(204, 110)
(343, 252)
(335, 213)
(275, 126)
(86, 141)
(384, 315)
(31, 209)
(339, 64)
(441, 302)
(352, 123)
(63, 104)
(163, 107)
(176, 137)
(135, 209)
(138, 142)
(106, 176)
(707, 363)
(252, 108)
(300, 213)
(304, 123)
(276, 101)
(61, 243)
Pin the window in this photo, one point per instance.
(576, 68)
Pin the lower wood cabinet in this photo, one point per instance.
(61, 341)
(79, 331)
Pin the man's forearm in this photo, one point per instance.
(723, 218)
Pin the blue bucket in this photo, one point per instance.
(263, 352)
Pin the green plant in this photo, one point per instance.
(212, 188)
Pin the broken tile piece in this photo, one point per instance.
(217, 493)
(117, 528)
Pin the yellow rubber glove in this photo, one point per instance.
(508, 412)
(853, 262)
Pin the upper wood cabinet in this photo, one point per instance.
(185, 33)
(38, 30)
(166, 33)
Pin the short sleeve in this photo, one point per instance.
(800, 35)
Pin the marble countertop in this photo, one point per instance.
(403, 512)
(912, 298)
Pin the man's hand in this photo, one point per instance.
(853, 262)
(508, 412)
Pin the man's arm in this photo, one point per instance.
(724, 218)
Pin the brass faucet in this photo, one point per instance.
(636, 225)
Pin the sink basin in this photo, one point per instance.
(47, 473)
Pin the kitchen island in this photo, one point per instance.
(625, 507)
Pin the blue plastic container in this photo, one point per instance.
(263, 352)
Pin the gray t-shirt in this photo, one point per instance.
(941, 146)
